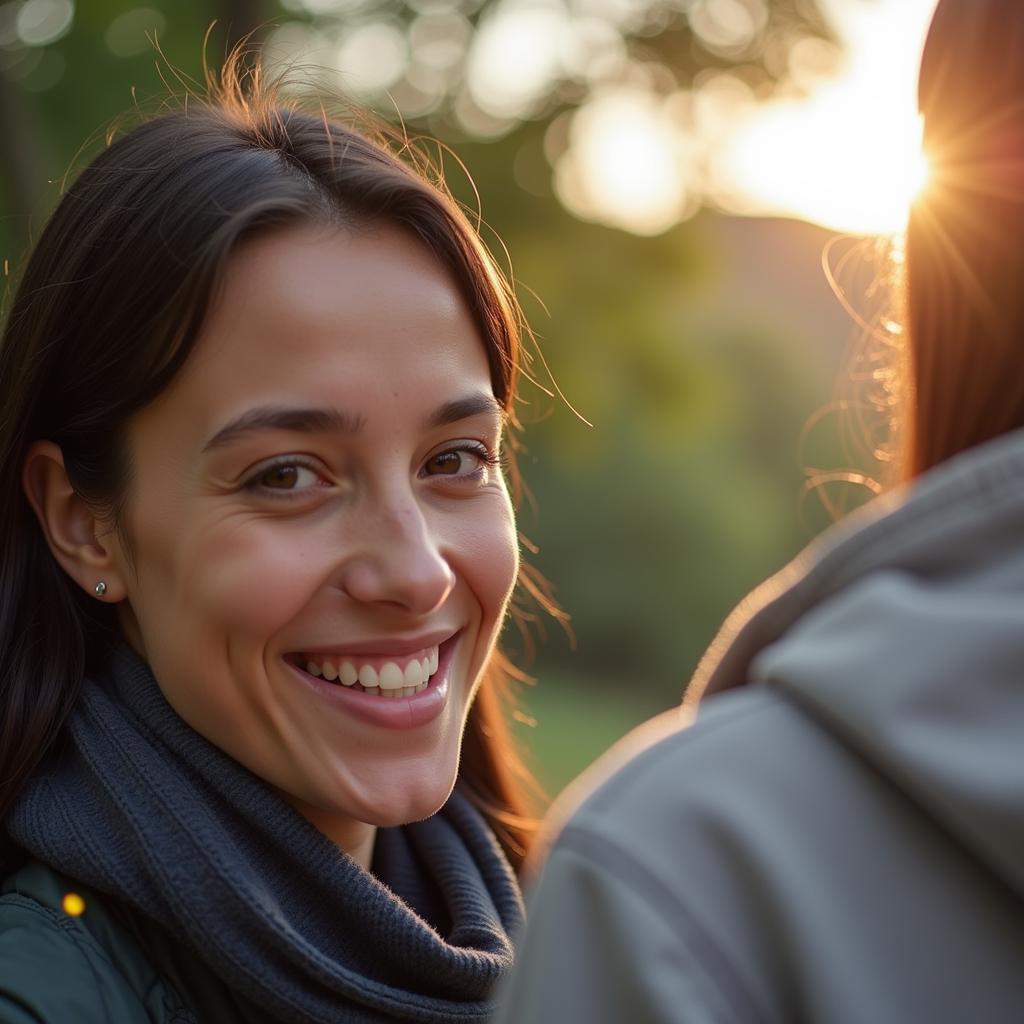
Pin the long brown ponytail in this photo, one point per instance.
(964, 259)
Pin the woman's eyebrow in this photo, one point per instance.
(477, 404)
(305, 421)
(311, 421)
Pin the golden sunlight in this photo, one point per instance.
(809, 164)
(848, 156)
(842, 149)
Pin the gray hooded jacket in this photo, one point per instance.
(840, 834)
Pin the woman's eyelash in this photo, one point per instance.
(486, 455)
(489, 457)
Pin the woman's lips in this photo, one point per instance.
(393, 707)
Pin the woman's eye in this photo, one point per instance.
(458, 462)
(286, 476)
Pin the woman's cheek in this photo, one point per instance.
(492, 558)
(258, 576)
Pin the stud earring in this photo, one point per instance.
(100, 588)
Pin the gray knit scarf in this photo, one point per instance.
(141, 807)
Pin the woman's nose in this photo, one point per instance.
(399, 562)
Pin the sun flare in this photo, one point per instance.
(809, 164)
(848, 156)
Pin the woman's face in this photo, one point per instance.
(322, 543)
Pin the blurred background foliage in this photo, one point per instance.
(698, 348)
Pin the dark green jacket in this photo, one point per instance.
(97, 968)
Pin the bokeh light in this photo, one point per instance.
(131, 33)
(515, 57)
(372, 57)
(40, 22)
(625, 165)
(728, 27)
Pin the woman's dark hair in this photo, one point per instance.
(962, 382)
(107, 311)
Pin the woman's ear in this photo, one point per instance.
(83, 547)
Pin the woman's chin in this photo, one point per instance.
(391, 811)
(398, 803)
(344, 818)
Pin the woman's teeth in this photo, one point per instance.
(399, 678)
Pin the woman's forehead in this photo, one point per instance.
(313, 277)
(366, 324)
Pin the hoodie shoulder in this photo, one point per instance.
(791, 880)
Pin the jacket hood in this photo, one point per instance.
(901, 632)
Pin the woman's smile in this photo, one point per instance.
(396, 669)
(381, 691)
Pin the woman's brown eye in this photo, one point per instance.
(286, 478)
(447, 463)
(280, 478)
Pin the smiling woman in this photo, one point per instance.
(322, 525)
(255, 383)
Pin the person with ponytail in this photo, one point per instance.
(837, 835)
(257, 546)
